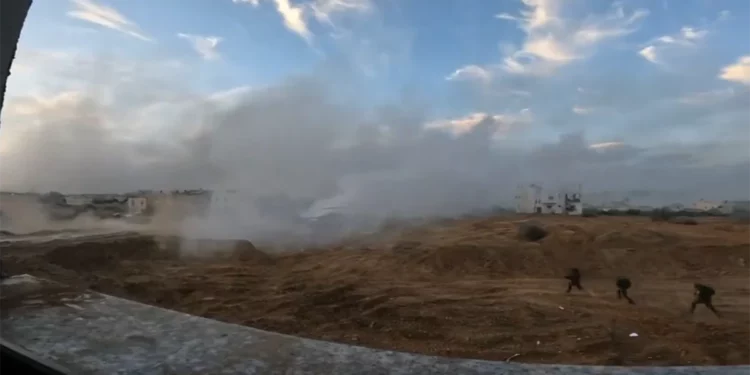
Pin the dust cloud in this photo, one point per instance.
(305, 145)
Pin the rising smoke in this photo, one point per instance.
(303, 141)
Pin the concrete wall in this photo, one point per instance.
(12, 17)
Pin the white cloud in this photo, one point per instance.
(295, 16)
(664, 46)
(707, 97)
(470, 73)
(738, 72)
(206, 46)
(254, 3)
(324, 9)
(606, 145)
(582, 110)
(553, 41)
(90, 11)
(649, 53)
(500, 124)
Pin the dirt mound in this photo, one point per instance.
(99, 255)
(638, 236)
(241, 250)
(684, 220)
(532, 231)
(599, 247)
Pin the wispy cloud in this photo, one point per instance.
(206, 46)
(296, 16)
(738, 72)
(499, 125)
(582, 110)
(470, 73)
(707, 97)
(553, 41)
(102, 15)
(687, 37)
(324, 9)
(606, 145)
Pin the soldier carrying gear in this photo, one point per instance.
(574, 279)
(703, 295)
(623, 284)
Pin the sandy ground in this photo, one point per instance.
(463, 288)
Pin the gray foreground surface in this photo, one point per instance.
(92, 333)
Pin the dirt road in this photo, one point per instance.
(464, 289)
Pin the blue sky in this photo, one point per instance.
(394, 45)
(663, 76)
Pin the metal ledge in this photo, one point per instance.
(16, 360)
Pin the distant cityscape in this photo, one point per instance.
(529, 199)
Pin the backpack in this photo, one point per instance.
(706, 290)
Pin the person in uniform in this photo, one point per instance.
(623, 284)
(574, 279)
(703, 295)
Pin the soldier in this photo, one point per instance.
(574, 279)
(623, 284)
(703, 294)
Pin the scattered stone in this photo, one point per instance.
(684, 220)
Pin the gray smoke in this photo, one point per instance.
(306, 140)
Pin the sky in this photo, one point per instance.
(395, 105)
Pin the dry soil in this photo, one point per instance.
(466, 288)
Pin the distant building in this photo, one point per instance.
(137, 205)
(675, 207)
(224, 201)
(731, 207)
(704, 205)
(533, 199)
(78, 200)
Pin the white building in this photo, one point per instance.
(529, 199)
(78, 200)
(704, 205)
(137, 205)
(730, 207)
(533, 199)
(225, 202)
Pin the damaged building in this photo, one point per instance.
(533, 199)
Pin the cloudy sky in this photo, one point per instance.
(406, 105)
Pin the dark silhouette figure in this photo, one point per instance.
(574, 279)
(623, 284)
(703, 295)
